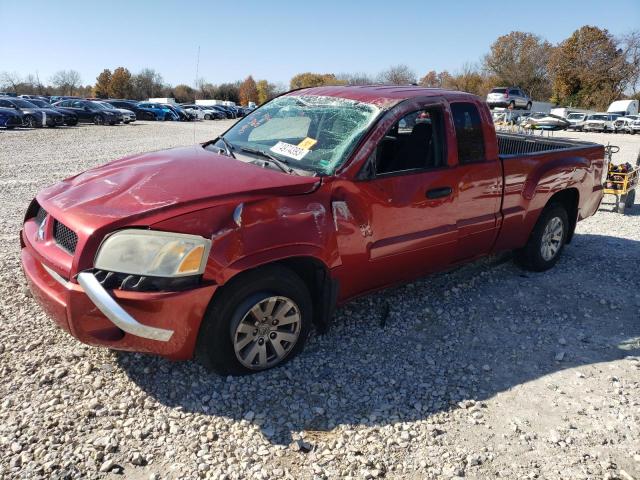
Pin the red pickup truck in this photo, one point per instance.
(231, 251)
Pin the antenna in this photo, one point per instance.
(195, 88)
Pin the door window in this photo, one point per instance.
(416, 142)
(469, 135)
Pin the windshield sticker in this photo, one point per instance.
(307, 143)
(288, 150)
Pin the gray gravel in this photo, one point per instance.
(484, 372)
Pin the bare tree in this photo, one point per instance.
(10, 81)
(356, 78)
(630, 45)
(66, 81)
(397, 75)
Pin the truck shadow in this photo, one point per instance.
(468, 334)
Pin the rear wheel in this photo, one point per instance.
(547, 240)
(30, 121)
(207, 117)
(258, 321)
(529, 106)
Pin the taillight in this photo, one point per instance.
(506, 93)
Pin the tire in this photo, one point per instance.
(631, 199)
(528, 107)
(98, 120)
(9, 128)
(167, 118)
(541, 252)
(512, 105)
(207, 117)
(30, 121)
(72, 124)
(226, 334)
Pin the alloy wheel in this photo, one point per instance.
(552, 239)
(267, 333)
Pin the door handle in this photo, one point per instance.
(439, 192)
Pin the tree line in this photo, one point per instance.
(590, 69)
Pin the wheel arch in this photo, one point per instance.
(569, 198)
(316, 276)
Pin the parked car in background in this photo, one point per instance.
(161, 112)
(507, 97)
(576, 121)
(10, 118)
(133, 105)
(207, 112)
(8, 94)
(634, 127)
(227, 110)
(182, 114)
(128, 116)
(70, 117)
(90, 112)
(622, 124)
(35, 97)
(600, 122)
(34, 116)
(545, 121)
(195, 112)
(232, 250)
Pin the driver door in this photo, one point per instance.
(401, 223)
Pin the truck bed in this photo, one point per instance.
(513, 144)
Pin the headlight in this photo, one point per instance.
(153, 253)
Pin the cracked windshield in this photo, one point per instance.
(313, 133)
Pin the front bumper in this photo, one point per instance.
(12, 121)
(162, 323)
(54, 120)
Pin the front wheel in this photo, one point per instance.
(207, 117)
(258, 321)
(98, 120)
(529, 106)
(547, 240)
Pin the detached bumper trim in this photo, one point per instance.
(114, 312)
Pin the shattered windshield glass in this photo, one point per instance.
(307, 132)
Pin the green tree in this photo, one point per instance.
(103, 84)
(589, 69)
(266, 91)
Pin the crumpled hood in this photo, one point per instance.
(133, 187)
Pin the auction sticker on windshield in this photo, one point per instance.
(288, 150)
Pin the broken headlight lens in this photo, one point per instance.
(153, 253)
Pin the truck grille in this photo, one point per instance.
(65, 237)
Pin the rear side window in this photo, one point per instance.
(468, 132)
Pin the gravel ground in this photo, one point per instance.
(483, 372)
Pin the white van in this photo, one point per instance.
(624, 107)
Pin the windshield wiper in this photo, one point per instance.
(228, 147)
(281, 164)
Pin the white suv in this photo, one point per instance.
(508, 97)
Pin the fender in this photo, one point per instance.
(545, 170)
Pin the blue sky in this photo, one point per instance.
(276, 39)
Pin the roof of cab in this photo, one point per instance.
(381, 95)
